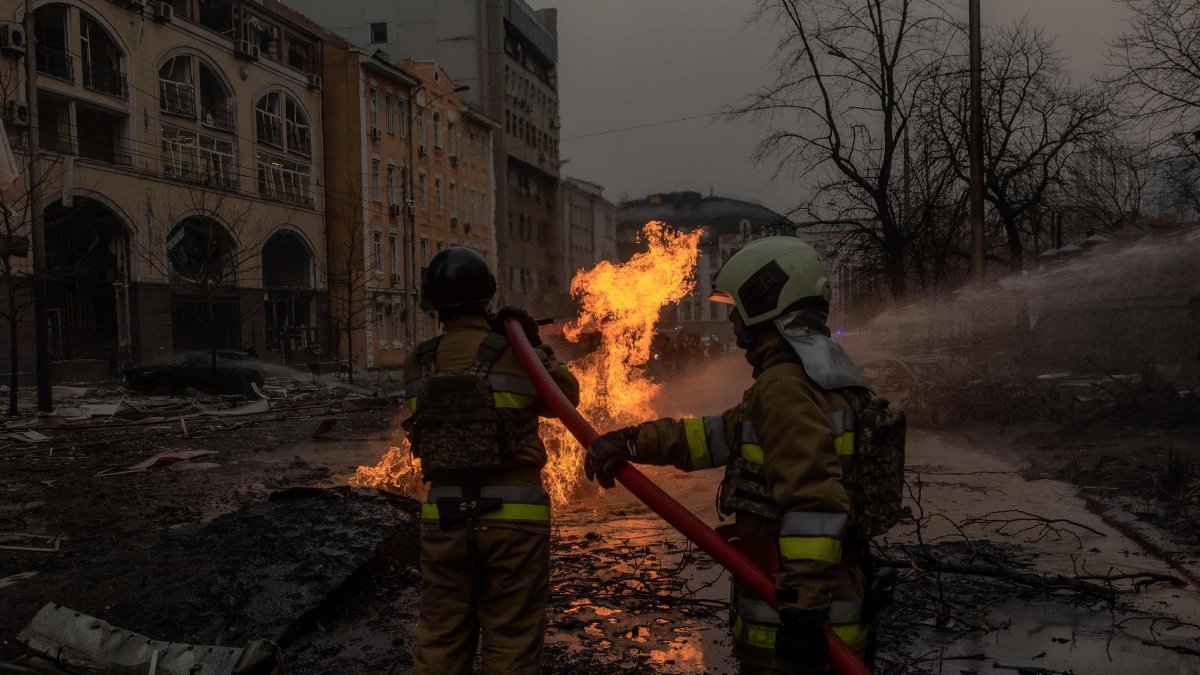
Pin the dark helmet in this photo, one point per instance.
(456, 277)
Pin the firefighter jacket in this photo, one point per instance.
(518, 480)
(782, 448)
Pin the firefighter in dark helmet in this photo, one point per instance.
(784, 449)
(485, 533)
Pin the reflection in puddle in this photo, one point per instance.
(1061, 638)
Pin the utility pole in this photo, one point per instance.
(976, 147)
(45, 397)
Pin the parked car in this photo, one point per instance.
(234, 374)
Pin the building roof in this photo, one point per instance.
(691, 210)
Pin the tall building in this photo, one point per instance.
(182, 162)
(507, 54)
(589, 226)
(410, 164)
(367, 104)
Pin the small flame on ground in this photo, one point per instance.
(620, 305)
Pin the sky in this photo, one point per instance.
(628, 63)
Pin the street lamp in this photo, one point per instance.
(410, 209)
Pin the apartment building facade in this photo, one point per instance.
(589, 226)
(506, 53)
(182, 168)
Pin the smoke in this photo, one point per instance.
(713, 386)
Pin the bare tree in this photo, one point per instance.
(348, 279)
(204, 252)
(849, 78)
(1156, 61)
(1035, 119)
(1107, 183)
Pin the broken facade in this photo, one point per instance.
(181, 148)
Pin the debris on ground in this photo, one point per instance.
(75, 641)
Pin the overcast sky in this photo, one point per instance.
(624, 63)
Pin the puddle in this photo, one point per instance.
(1060, 638)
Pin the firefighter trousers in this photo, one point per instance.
(496, 592)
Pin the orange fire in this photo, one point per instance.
(620, 305)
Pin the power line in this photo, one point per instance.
(643, 126)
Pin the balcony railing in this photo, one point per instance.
(176, 98)
(217, 114)
(56, 62)
(105, 79)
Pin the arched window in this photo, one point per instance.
(216, 101)
(281, 122)
(101, 59)
(201, 253)
(299, 134)
(269, 120)
(176, 92)
(437, 129)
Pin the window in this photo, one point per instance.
(453, 201)
(377, 241)
(101, 60)
(378, 33)
(373, 106)
(300, 54)
(422, 190)
(187, 155)
(404, 117)
(284, 179)
(394, 254)
(271, 113)
(437, 129)
(421, 126)
(382, 324)
(396, 325)
(388, 112)
(437, 193)
(268, 120)
(391, 183)
(216, 103)
(424, 252)
(450, 136)
(375, 194)
(176, 93)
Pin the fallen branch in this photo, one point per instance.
(1048, 581)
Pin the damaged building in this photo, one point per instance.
(182, 160)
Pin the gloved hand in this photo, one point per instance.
(528, 323)
(800, 639)
(608, 454)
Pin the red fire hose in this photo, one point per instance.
(742, 568)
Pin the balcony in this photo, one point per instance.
(56, 62)
(105, 79)
(177, 98)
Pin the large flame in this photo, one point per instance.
(620, 306)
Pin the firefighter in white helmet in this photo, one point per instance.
(783, 450)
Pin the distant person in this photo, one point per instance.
(251, 352)
(485, 531)
(313, 355)
(795, 452)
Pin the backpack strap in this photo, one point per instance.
(426, 355)
(489, 352)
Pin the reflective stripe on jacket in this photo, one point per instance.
(793, 435)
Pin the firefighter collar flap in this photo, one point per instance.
(823, 359)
